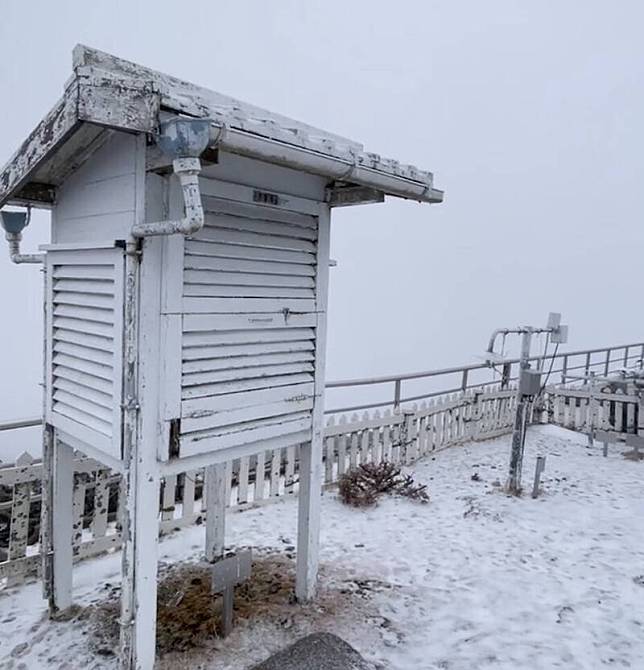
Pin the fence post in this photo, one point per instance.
(626, 356)
(607, 365)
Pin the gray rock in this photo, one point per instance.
(319, 651)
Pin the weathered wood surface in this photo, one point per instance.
(404, 436)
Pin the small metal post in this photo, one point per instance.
(592, 410)
(539, 468)
(587, 368)
(626, 356)
(607, 364)
(505, 375)
(564, 369)
(464, 380)
(397, 394)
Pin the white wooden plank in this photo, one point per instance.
(231, 351)
(223, 190)
(251, 278)
(237, 401)
(277, 325)
(239, 363)
(283, 306)
(264, 226)
(85, 339)
(220, 249)
(227, 236)
(244, 292)
(241, 266)
(195, 422)
(222, 388)
(289, 432)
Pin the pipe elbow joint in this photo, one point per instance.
(187, 170)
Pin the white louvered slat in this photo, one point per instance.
(84, 344)
(249, 326)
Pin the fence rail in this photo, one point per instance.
(394, 430)
(401, 436)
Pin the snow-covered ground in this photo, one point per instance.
(473, 580)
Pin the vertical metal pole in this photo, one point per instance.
(540, 467)
(397, 394)
(564, 369)
(518, 434)
(464, 380)
(607, 364)
(587, 369)
(626, 356)
(505, 375)
(592, 410)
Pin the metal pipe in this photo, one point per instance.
(348, 169)
(187, 170)
(16, 257)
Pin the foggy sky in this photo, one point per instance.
(529, 114)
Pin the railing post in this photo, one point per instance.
(505, 375)
(626, 356)
(587, 368)
(564, 369)
(397, 394)
(464, 380)
(607, 364)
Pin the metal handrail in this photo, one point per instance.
(463, 370)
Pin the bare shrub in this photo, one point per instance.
(365, 484)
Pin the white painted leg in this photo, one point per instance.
(308, 526)
(215, 483)
(60, 520)
(139, 569)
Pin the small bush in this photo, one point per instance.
(365, 484)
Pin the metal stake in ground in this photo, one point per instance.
(539, 468)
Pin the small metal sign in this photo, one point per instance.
(226, 574)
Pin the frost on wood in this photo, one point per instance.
(363, 486)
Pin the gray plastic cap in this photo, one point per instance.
(13, 222)
(183, 137)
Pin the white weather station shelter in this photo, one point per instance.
(185, 299)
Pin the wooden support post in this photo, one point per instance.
(215, 490)
(60, 525)
(139, 567)
(310, 491)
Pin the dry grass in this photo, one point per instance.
(189, 616)
(362, 486)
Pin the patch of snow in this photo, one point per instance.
(474, 579)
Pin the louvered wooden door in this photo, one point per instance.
(84, 326)
(249, 324)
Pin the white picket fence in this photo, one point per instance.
(401, 436)
(576, 408)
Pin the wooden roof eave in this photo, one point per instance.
(72, 131)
